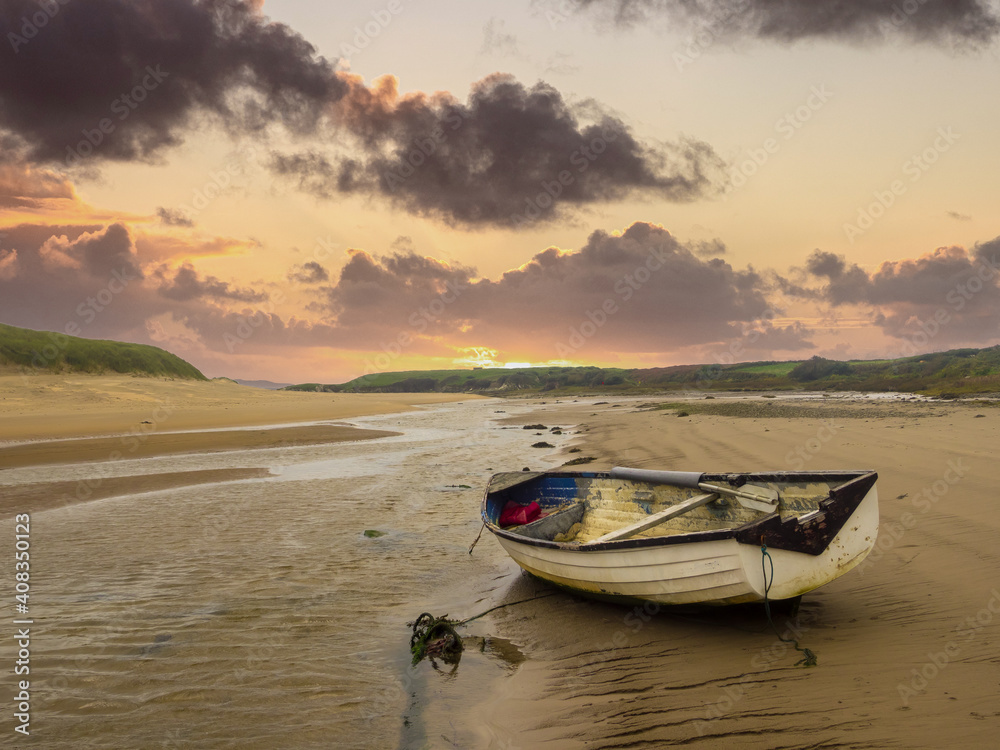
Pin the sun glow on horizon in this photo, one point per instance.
(486, 358)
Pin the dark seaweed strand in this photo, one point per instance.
(808, 657)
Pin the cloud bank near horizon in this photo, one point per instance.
(950, 291)
(638, 295)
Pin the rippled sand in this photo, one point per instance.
(254, 613)
(908, 644)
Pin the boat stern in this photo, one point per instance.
(795, 573)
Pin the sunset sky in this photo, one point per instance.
(305, 191)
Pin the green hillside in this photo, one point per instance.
(25, 350)
(952, 373)
(483, 380)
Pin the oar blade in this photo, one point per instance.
(753, 497)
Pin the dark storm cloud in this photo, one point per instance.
(45, 253)
(90, 281)
(845, 283)
(77, 279)
(640, 291)
(310, 272)
(29, 237)
(656, 286)
(955, 287)
(714, 248)
(391, 289)
(173, 218)
(107, 253)
(90, 253)
(314, 173)
(130, 75)
(106, 80)
(186, 285)
(509, 156)
(955, 22)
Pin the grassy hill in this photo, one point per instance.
(952, 373)
(25, 350)
(482, 380)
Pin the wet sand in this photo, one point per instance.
(908, 644)
(140, 444)
(63, 419)
(252, 611)
(39, 496)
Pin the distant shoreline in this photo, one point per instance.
(48, 407)
(959, 372)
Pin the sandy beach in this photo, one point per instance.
(907, 645)
(38, 407)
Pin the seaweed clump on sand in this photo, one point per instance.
(435, 638)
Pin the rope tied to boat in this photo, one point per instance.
(481, 528)
(808, 657)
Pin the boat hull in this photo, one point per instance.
(697, 569)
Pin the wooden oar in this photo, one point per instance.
(750, 496)
(657, 518)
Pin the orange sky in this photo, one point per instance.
(320, 192)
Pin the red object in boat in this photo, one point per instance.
(514, 514)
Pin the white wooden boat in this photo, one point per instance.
(684, 537)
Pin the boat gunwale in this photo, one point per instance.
(742, 534)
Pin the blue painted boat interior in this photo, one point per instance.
(549, 491)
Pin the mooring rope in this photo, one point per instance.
(508, 604)
(809, 658)
(477, 537)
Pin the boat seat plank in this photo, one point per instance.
(657, 518)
